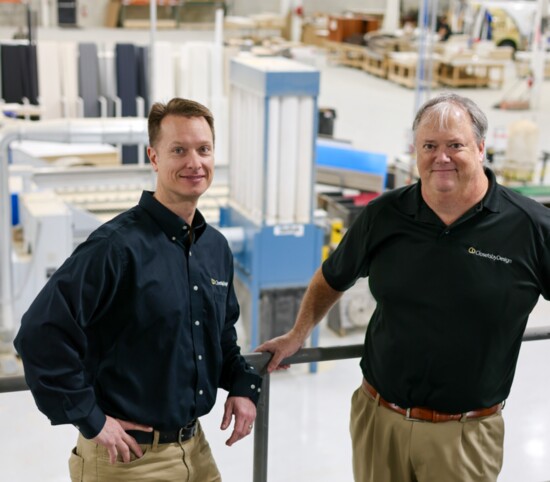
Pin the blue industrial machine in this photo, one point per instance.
(272, 149)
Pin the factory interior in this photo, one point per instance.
(322, 91)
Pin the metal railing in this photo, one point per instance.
(260, 361)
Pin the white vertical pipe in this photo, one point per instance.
(258, 159)
(218, 103)
(304, 171)
(242, 150)
(273, 144)
(152, 53)
(6, 280)
(237, 170)
(248, 155)
(233, 159)
(285, 5)
(538, 55)
(45, 10)
(217, 57)
(391, 16)
(288, 158)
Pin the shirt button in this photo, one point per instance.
(190, 253)
(253, 387)
(197, 322)
(173, 238)
(185, 228)
(200, 392)
(259, 390)
(196, 288)
(200, 357)
(447, 232)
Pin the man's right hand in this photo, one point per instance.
(282, 347)
(113, 436)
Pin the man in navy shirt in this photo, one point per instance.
(456, 263)
(132, 336)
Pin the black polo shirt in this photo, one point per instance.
(452, 301)
(138, 324)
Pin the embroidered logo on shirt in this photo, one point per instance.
(492, 257)
(216, 282)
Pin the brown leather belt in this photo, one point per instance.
(427, 414)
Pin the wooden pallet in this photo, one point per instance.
(375, 64)
(402, 70)
(471, 73)
(347, 54)
(402, 73)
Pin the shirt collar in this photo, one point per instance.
(172, 225)
(411, 201)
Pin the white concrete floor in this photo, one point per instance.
(309, 412)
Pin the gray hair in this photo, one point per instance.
(440, 107)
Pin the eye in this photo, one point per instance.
(205, 150)
(179, 150)
(428, 147)
(456, 145)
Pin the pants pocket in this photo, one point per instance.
(76, 466)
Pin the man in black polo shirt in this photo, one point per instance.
(456, 263)
(132, 336)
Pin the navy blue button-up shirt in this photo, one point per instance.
(138, 324)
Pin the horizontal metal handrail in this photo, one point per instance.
(260, 361)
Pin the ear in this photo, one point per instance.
(481, 148)
(152, 154)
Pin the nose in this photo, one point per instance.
(441, 155)
(194, 161)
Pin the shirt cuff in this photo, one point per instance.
(90, 426)
(247, 385)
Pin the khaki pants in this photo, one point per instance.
(190, 461)
(389, 448)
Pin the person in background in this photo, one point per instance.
(443, 28)
(132, 336)
(456, 263)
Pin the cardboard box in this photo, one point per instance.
(112, 13)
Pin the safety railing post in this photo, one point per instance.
(261, 433)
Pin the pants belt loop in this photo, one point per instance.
(464, 418)
(156, 435)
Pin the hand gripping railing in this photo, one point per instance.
(260, 361)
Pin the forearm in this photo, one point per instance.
(317, 301)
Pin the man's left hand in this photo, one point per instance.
(244, 411)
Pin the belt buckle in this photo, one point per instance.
(187, 431)
(411, 419)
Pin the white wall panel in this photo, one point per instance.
(69, 78)
(49, 79)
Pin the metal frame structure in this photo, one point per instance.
(102, 131)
